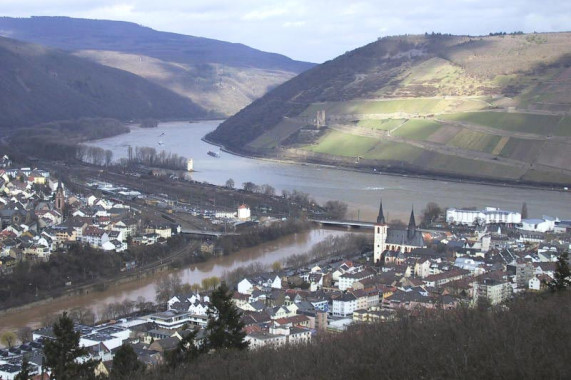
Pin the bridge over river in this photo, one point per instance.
(344, 223)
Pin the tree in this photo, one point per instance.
(24, 373)
(225, 328)
(431, 213)
(8, 338)
(108, 157)
(267, 190)
(230, 183)
(562, 274)
(276, 266)
(185, 351)
(250, 187)
(125, 362)
(335, 209)
(167, 287)
(82, 315)
(524, 214)
(25, 334)
(61, 353)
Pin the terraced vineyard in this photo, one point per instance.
(482, 107)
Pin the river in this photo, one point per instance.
(361, 191)
(266, 253)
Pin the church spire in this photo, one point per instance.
(411, 230)
(381, 217)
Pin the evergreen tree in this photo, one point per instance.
(24, 373)
(562, 273)
(125, 362)
(185, 351)
(62, 353)
(225, 328)
(524, 210)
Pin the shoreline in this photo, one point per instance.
(416, 175)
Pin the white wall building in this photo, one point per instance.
(489, 215)
(244, 212)
(538, 225)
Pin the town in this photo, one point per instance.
(447, 259)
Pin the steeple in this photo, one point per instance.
(411, 230)
(381, 217)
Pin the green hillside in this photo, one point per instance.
(41, 84)
(493, 107)
(219, 76)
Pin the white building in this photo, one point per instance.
(539, 225)
(490, 215)
(344, 305)
(244, 212)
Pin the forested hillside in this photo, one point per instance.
(41, 84)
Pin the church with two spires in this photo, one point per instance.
(394, 239)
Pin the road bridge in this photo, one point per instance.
(215, 234)
(344, 223)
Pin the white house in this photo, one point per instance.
(244, 212)
(94, 236)
(344, 305)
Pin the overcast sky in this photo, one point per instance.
(311, 30)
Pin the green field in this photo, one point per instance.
(460, 165)
(473, 140)
(521, 149)
(383, 124)
(417, 129)
(564, 127)
(516, 122)
(394, 151)
(343, 144)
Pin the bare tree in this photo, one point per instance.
(167, 287)
(108, 157)
(25, 334)
(8, 338)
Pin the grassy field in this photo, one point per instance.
(417, 129)
(564, 127)
(516, 122)
(382, 124)
(460, 165)
(521, 149)
(394, 151)
(477, 141)
(343, 144)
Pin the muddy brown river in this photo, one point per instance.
(266, 253)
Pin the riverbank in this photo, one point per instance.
(395, 172)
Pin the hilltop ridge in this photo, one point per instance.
(220, 76)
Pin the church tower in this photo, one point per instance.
(380, 235)
(60, 198)
(411, 230)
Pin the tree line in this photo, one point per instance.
(255, 236)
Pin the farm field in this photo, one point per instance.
(515, 122)
(417, 129)
(473, 140)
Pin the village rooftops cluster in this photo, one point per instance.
(40, 216)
